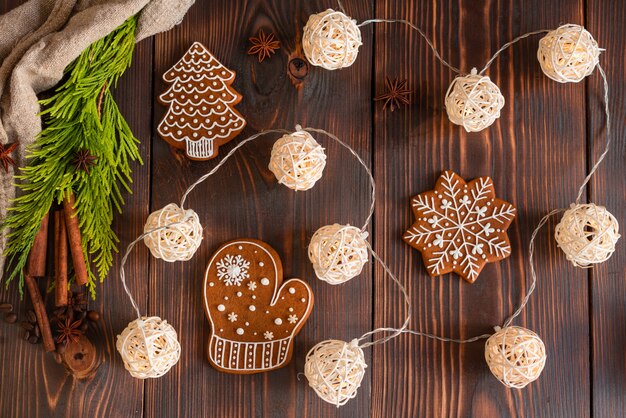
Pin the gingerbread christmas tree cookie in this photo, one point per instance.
(460, 226)
(254, 316)
(201, 114)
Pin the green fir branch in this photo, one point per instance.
(82, 114)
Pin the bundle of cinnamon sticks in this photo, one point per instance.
(66, 231)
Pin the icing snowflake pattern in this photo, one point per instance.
(460, 226)
(233, 270)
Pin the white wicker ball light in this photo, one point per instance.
(297, 160)
(473, 101)
(178, 242)
(587, 234)
(568, 54)
(335, 370)
(338, 253)
(149, 347)
(516, 356)
(331, 40)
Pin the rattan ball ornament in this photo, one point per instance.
(515, 355)
(177, 242)
(587, 234)
(331, 40)
(335, 370)
(297, 160)
(338, 253)
(473, 101)
(149, 347)
(568, 54)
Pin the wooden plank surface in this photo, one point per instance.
(244, 200)
(33, 384)
(537, 154)
(607, 295)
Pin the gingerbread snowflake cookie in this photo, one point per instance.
(201, 114)
(254, 316)
(460, 226)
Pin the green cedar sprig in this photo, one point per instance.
(82, 114)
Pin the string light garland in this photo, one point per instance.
(338, 253)
(516, 356)
(335, 369)
(568, 54)
(149, 346)
(178, 243)
(297, 160)
(331, 40)
(587, 234)
(473, 101)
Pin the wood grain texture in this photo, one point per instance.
(39, 386)
(244, 201)
(536, 157)
(608, 311)
(537, 154)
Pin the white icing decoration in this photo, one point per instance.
(292, 319)
(292, 290)
(252, 308)
(278, 321)
(252, 286)
(265, 281)
(221, 308)
(239, 294)
(232, 317)
(232, 270)
(240, 331)
(261, 264)
(251, 356)
(457, 237)
(190, 85)
(268, 335)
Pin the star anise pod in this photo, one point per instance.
(263, 46)
(397, 94)
(84, 160)
(5, 155)
(68, 331)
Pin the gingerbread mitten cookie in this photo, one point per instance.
(201, 100)
(254, 316)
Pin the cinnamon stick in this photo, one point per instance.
(40, 313)
(60, 243)
(76, 246)
(37, 258)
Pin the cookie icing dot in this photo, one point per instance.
(239, 331)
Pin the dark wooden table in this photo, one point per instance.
(537, 154)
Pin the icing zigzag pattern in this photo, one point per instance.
(201, 114)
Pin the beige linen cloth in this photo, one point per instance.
(38, 40)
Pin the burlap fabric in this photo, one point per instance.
(38, 40)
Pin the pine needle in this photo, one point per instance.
(82, 114)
